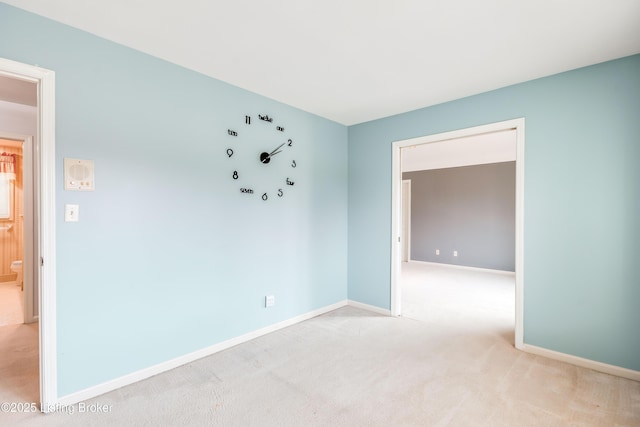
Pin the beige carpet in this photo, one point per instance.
(10, 304)
(19, 375)
(354, 368)
(463, 300)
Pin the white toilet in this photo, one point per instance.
(16, 267)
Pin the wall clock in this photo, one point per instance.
(261, 158)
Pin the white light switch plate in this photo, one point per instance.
(71, 213)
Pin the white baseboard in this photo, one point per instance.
(464, 267)
(368, 307)
(133, 377)
(584, 363)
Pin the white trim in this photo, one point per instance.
(368, 307)
(406, 244)
(396, 228)
(396, 204)
(519, 261)
(142, 374)
(465, 267)
(45, 221)
(584, 363)
(29, 234)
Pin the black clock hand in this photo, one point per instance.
(274, 152)
(266, 157)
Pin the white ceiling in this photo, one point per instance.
(357, 60)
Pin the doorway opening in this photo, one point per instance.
(38, 267)
(19, 302)
(398, 242)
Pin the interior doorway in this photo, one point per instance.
(398, 242)
(17, 234)
(41, 263)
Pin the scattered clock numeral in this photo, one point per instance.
(247, 119)
(232, 132)
(280, 192)
(290, 143)
(246, 190)
(264, 196)
(230, 152)
(280, 128)
(235, 175)
(293, 163)
(289, 182)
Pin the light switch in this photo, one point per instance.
(71, 213)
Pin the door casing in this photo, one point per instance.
(44, 255)
(406, 220)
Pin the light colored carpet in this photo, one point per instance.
(354, 368)
(10, 304)
(19, 372)
(462, 300)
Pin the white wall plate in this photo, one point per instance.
(78, 175)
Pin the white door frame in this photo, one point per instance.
(396, 212)
(30, 236)
(406, 219)
(44, 212)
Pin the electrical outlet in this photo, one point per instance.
(455, 253)
(269, 301)
(437, 251)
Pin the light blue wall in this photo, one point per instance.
(582, 204)
(168, 256)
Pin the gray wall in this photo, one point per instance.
(469, 209)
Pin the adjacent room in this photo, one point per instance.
(459, 232)
(11, 237)
(211, 214)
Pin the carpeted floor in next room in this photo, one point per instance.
(11, 311)
(19, 370)
(351, 367)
